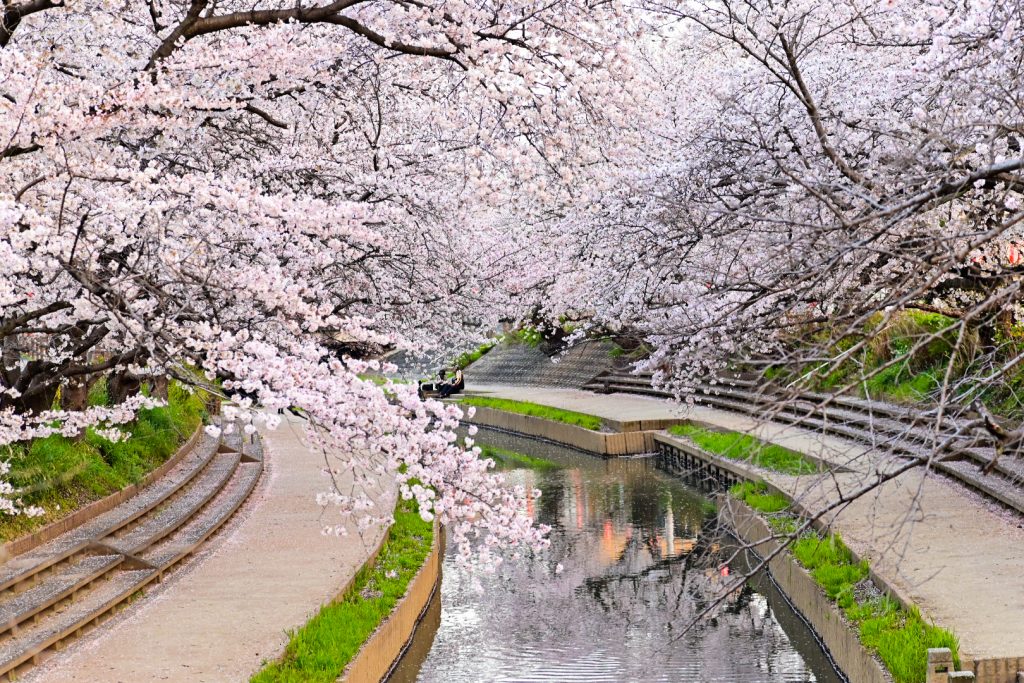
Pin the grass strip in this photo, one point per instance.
(514, 459)
(320, 650)
(737, 446)
(60, 474)
(899, 636)
(756, 495)
(569, 417)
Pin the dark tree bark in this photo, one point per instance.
(121, 385)
(158, 387)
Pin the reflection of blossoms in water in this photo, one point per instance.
(632, 559)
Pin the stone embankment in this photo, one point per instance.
(74, 573)
(221, 616)
(527, 365)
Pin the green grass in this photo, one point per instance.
(60, 474)
(381, 380)
(535, 410)
(527, 334)
(900, 637)
(736, 446)
(513, 459)
(756, 495)
(320, 650)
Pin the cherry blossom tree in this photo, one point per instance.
(816, 170)
(210, 189)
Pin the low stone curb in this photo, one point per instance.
(843, 644)
(599, 443)
(385, 647)
(97, 507)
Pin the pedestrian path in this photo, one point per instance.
(230, 611)
(941, 547)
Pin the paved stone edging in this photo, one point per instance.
(97, 507)
(987, 670)
(379, 654)
(843, 644)
(600, 443)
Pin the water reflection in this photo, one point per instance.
(640, 560)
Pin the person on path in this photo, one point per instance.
(454, 385)
(432, 387)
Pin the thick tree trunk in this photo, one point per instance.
(158, 386)
(121, 385)
(75, 394)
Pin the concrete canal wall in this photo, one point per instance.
(382, 651)
(806, 596)
(630, 438)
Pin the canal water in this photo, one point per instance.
(641, 558)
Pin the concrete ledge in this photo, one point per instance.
(97, 507)
(379, 654)
(698, 462)
(600, 443)
(1005, 670)
(843, 644)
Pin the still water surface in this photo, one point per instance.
(640, 559)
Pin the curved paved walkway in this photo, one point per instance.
(948, 551)
(229, 610)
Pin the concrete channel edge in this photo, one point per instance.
(385, 646)
(845, 648)
(609, 444)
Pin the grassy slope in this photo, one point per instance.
(892, 367)
(535, 410)
(900, 637)
(736, 446)
(320, 650)
(61, 475)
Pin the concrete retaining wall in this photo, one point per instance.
(806, 595)
(525, 365)
(1003, 670)
(374, 661)
(96, 508)
(681, 458)
(599, 443)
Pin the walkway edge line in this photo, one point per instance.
(97, 507)
(842, 642)
(384, 648)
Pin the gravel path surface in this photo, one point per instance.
(227, 611)
(952, 553)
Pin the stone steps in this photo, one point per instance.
(23, 568)
(105, 570)
(177, 511)
(893, 429)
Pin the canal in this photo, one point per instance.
(640, 557)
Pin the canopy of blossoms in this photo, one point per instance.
(220, 190)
